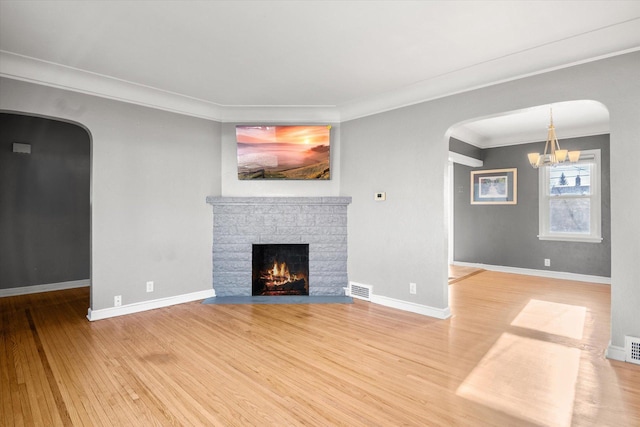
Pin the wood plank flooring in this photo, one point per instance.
(518, 351)
(460, 272)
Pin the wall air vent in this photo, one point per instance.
(357, 290)
(19, 147)
(632, 349)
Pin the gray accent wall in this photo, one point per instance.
(44, 202)
(461, 147)
(506, 235)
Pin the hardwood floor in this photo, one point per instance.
(518, 351)
(459, 272)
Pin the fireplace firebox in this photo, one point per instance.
(280, 269)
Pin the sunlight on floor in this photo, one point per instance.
(553, 318)
(540, 385)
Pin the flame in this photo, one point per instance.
(281, 271)
(277, 277)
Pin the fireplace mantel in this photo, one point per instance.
(240, 222)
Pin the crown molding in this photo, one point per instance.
(280, 114)
(468, 136)
(619, 39)
(24, 68)
(529, 138)
(46, 73)
(610, 41)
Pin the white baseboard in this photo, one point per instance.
(540, 273)
(35, 289)
(439, 313)
(615, 353)
(137, 307)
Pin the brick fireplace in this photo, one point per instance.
(280, 269)
(239, 223)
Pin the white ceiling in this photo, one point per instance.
(305, 60)
(570, 118)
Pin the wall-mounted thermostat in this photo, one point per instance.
(378, 197)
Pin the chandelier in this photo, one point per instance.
(555, 155)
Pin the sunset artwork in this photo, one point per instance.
(283, 152)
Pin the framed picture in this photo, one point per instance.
(300, 152)
(494, 187)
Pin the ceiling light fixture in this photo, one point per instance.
(556, 155)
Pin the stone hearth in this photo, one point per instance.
(240, 222)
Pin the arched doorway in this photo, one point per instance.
(45, 216)
(503, 141)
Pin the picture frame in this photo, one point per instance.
(494, 187)
(284, 152)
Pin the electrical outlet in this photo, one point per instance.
(149, 286)
(412, 288)
(547, 262)
(380, 197)
(117, 301)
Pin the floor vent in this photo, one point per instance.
(359, 291)
(632, 348)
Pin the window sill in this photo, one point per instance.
(570, 238)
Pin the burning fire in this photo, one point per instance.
(279, 273)
(277, 279)
(280, 270)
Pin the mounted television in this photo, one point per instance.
(284, 152)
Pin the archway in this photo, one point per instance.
(45, 214)
(505, 139)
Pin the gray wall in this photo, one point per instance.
(506, 235)
(465, 149)
(44, 202)
(151, 172)
(401, 240)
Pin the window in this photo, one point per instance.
(570, 200)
